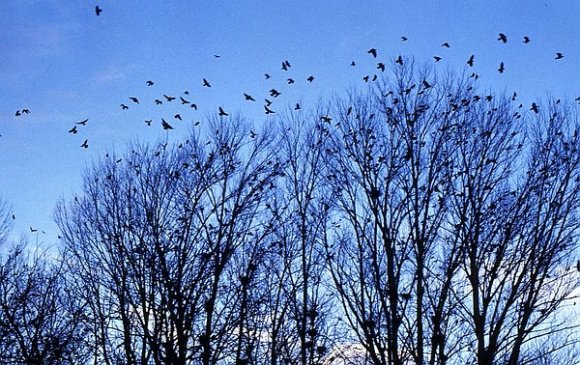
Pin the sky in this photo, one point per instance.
(66, 64)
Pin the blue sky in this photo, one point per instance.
(65, 64)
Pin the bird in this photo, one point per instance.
(134, 99)
(559, 56)
(18, 113)
(502, 38)
(268, 102)
(73, 130)
(501, 68)
(470, 60)
(222, 113)
(83, 122)
(157, 102)
(183, 101)
(381, 66)
(399, 60)
(268, 110)
(445, 45)
(526, 39)
(326, 119)
(177, 116)
(149, 83)
(253, 134)
(297, 106)
(267, 76)
(286, 65)
(426, 84)
(366, 78)
(274, 93)
(148, 122)
(535, 108)
(578, 265)
(33, 229)
(290, 81)
(169, 98)
(217, 55)
(98, 10)
(437, 58)
(124, 107)
(352, 64)
(26, 111)
(372, 51)
(194, 106)
(165, 125)
(515, 94)
(249, 97)
(85, 144)
(206, 83)
(404, 39)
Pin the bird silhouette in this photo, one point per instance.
(267, 76)
(134, 99)
(98, 10)
(445, 45)
(249, 97)
(222, 113)
(217, 55)
(501, 68)
(399, 60)
(352, 64)
(124, 107)
(158, 102)
(535, 108)
(83, 122)
(253, 134)
(18, 113)
(502, 38)
(437, 58)
(404, 39)
(148, 122)
(268, 110)
(526, 39)
(33, 229)
(470, 60)
(290, 81)
(286, 65)
(177, 116)
(85, 144)
(381, 66)
(559, 56)
(268, 102)
(73, 130)
(149, 83)
(206, 83)
(274, 93)
(373, 52)
(169, 98)
(297, 106)
(426, 84)
(310, 78)
(26, 111)
(366, 78)
(165, 125)
(194, 106)
(183, 101)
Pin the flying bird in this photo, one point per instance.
(445, 45)
(502, 38)
(177, 116)
(124, 107)
(353, 64)
(148, 122)
(18, 113)
(286, 65)
(372, 51)
(83, 122)
(222, 113)
(157, 102)
(73, 130)
(268, 102)
(404, 39)
(249, 97)
(183, 101)
(297, 106)
(426, 84)
(149, 83)
(98, 10)
(165, 125)
(290, 81)
(526, 39)
(535, 108)
(253, 134)
(381, 66)
(217, 55)
(437, 58)
(26, 111)
(85, 144)
(275, 93)
(194, 106)
(169, 98)
(268, 110)
(267, 76)
(310, 78)
(501, 68)
(206, 83)
(33, 229)
(399, 60)
(470, 61)
(134, 99)
(559, 56)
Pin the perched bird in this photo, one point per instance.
(149, 83)
(85, 144)
(399, 60)
(446, 45)
(267, 76)
(275, 93)
(169, 98)
(249, 97)
(165, 125)
(148, 122)
(183, 101)
(177, 116)
(559, 56)
(268, 110)
(437, 58)
(526, 39)
(98, 10)
(501, 68)
(310, 78)
(73, 130)
(83, 122)
(535, 108)
(124, 107)
(222, 113)
(372, 51)
(206, 83)
(470, 60)
(404, 39)
(381, 66)
(502, 38)
(134, 99)
(290, 81)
